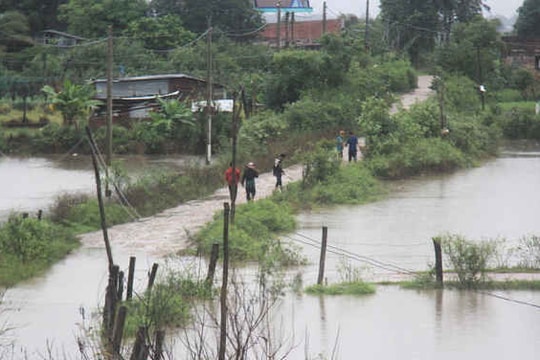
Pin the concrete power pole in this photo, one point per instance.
(108, 158)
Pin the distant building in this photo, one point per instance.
(58, 38)
(135, 97)
(300, 33)
(271, 6)
(522, 52)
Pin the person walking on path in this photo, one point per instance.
(278, 171)
(340, 139)
(232, 178)
(352, 144)
(248, 180)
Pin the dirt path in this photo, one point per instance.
(421, 93)
(169, 231)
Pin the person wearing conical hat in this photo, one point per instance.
(248, 180)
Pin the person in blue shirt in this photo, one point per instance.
(352, 144)
(340, 139)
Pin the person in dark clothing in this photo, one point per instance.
(278, 170)
(352, 144)
(232, 178)
(248, 180)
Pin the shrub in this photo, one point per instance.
(468, 259)
(253, 236)
(417, 157)
(29, 246)
(529, 251)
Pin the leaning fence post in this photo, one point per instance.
(323, 255)
(152, 276)
(438, 260)
(131, 276)
(213, 262)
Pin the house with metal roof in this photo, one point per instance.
(134, 97)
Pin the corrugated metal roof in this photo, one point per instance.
(151, 77)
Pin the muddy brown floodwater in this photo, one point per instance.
(499, 199)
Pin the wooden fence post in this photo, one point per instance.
(152, 277)
(110, 303)
(118, 329)
(323, 255)
(131, 276)
(140, 348)
(213, 262)
(160, 339)
(438, 260)
(120, 288)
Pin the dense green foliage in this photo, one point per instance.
(167, 304)
(253, 236)
(528, 22)
(29, 246)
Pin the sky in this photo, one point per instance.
(506, 8)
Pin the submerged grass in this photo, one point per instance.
(344, 288)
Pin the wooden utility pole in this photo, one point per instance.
(224, 283)
(324, 18)
(235, 120)
(366, 36)
(292, 28)
(209, 91)
(287, 29)
(278, 26)
(108, 158)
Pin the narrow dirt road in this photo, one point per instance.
(169, 231)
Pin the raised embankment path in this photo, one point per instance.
(169, 231)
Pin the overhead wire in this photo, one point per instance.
(349, 254)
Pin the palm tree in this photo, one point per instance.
(74, 101)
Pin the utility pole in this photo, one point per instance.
(108, 158)
(366, 36)
(278, 27)
(324, 18)
(209, 91)
(287, 29)
(292, 27)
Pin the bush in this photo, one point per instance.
(253, 236)
(29, 246)
(417, 157)
(520, 124)
(529, 251)
(468, 259)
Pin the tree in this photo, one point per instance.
(412, 25)
(41, 14)
(160, 33)
(230, 16)
(473, 50)
(91, 18)
(73, 101)
(14, 32)
(528, 22)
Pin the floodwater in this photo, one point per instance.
(30, 184)
(382, 239)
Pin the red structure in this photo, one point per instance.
(303, 33)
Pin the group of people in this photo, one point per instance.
(250, 173)
(351, 143)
